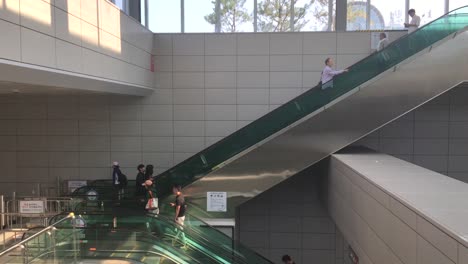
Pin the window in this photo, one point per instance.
(234, 16)
(275, 16)
(453, 4)
(356, 16)
(143, 12)
(318, 15)
(428, 10)
(387, 14)
(121, 4)
(196, 12)
(164, 16)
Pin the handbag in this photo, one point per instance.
(152, 203)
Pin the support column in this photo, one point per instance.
(218, 16)
(341, 16)
(182, 16)
(255, 16)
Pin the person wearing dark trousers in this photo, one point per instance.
(119, 180)
(140, 189)
(180, 209)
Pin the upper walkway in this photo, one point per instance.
(417, 213)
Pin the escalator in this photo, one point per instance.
(109, 232)
(69, 241)
(378, 89)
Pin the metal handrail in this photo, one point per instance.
(70, 215)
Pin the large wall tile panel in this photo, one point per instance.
(188, 44)
(320, 43)
(220, 63)
(10, 47)
(37, 48)
(253, 44)
(220, 44)
(69, 56)
(286, 43)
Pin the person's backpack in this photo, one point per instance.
(123, 180)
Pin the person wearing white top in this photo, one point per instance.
(328, 73)
(413, 25)
(383, 42)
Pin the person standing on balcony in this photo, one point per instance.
(413, 25)
(328, 73)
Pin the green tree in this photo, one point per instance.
(275, 15)
(231, 15)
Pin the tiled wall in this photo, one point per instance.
(380, 228)
(91, 37)
(291, 219)
(434, 136)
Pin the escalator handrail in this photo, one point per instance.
(22, 243)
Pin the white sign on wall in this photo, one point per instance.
(216, 201)
(32, 207)
(73, 185)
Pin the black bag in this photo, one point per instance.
(320, 82)
(123, 180)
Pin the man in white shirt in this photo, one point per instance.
(383, 42)
(328, 73)
(413, 25)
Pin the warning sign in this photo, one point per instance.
(32, 207)
(216, 201)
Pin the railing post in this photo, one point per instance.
(2, 210)
(25, 254)
(75, 241)
(52, 244)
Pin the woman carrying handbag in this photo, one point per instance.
(152, 199)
